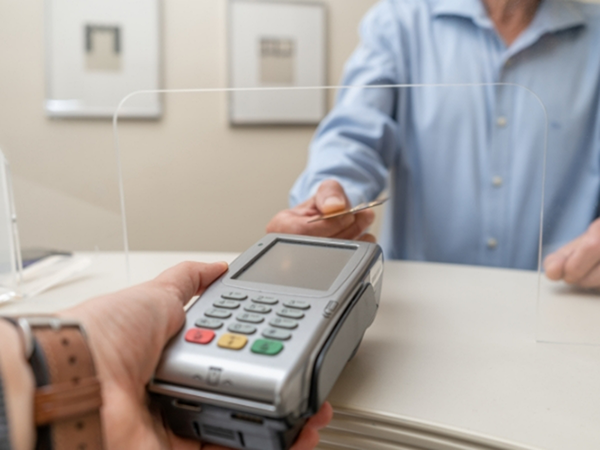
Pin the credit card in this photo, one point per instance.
(356, 209)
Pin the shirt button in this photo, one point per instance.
(497, 181)
(502, 121)
(492, 243)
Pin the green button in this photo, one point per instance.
(266, 347)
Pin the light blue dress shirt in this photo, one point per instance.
(464, 164)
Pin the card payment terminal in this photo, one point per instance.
(263, 346)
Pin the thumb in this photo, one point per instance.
(190, 278)
(184, 281)
(331, 197)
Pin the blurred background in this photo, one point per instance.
(64, 169)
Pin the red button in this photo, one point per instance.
(199, 336)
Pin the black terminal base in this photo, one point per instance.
(226, 427)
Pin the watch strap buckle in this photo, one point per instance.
(27, 324)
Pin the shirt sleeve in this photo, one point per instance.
(356, 143)
(4, 436)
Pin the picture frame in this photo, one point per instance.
(277, 45)
(99, 51)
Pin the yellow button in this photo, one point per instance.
(232, 341)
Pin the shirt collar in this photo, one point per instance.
(552, 15)
(557, 15)
(469, 9)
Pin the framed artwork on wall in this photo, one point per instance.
(97, 52)
(277, 44)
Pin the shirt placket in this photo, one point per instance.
(495, 186)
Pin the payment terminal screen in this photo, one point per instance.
(305, 266)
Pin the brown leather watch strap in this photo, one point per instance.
(69, 402)
(63, 401)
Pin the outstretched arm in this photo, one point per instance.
(357, 143)
(127, 332)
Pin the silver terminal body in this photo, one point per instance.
(303, 321)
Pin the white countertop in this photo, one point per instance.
(452, 348)
(107, 273)
(455, 346)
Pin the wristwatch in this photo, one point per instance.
(68, 397)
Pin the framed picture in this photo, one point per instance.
(99, 51)
(277, 44)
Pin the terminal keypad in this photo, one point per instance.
(281, 322)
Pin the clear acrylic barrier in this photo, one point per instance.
(569, 309)
(465, 179)
(66, 209)
(10, 262)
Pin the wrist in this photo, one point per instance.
(19, 388)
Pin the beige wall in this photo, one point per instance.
(194, 182)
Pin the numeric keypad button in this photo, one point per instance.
(265, 300)
(212, 324)
(297, 304)
(250, 317)
(199, 336)
(218, 313)
(232, 341)
(290, 313)
(242, 328)
(227, 304)
(232, 295)
(280, 322)
(266, 347)
(260, 309)
(280, 335)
